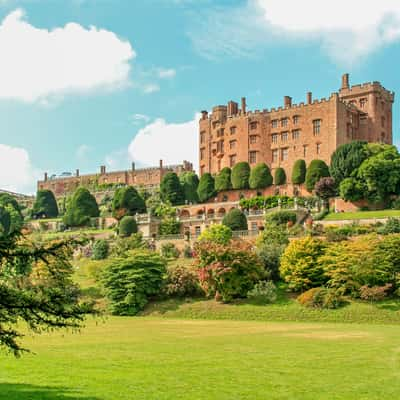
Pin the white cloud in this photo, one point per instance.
(17, 173)
(151, 88)
(140, 118)
(38, 63)
(171, 142)
(166, 73)
(82, 151)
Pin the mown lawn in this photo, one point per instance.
(362, 215)
(153, 358)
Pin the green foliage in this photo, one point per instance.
(240, 175)
(300, 266)
(182, 281)
(299, 172)
(8, 200)
(100, 249)
(352, 189)
(45, 204)
(127, 226)
(227, 271)
(169, 226)
(235, 220)
(281, 217)
(5, 222)
(217, 233)
(346, 159)
(260, 177)
(261, 202)
(206, 188)
(280, 176)
(395, 205)
(375, 293)
(171, 189)
(81, 207)
(130, 281)
(316, 170)
(122, 246)
(169, 250)
(223, 180)
(127, 201)
(190, 182)
(264, 292)
(392, 225)
(13, 208)
(321, 297)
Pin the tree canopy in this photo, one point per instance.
(316, 170)
(280, 176)
(190, 182)
(81, 207)
(299, 172)
(260, 177)
(235, 220)
(171, 189)
(206, 188)
(45, 204)
(127, 201)
(240, 175)
(223, 180)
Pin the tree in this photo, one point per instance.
(127, 201)
(206, 188)
(171, 189)
(325, 188)
(190, 182)
(280, 176)
(45, 204)
(346, 159)
(351, 189)
(240, 175)
(8, 200)
(299, 172)
(13, 208)
(260, 177)
(217, 233)
(316, 170)
(100, 249)
(5, 221)
(81, 208)
(235, 220)
(223, 180)
(127, 226)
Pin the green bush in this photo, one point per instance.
(396, 204)
(281, 217)
(127, 201)
(171, 189)
(280, 176)
(13, 208)
(45, 204)
(240, 175)
(220, 234)
(235, 220)
(321, 298)
(100, 249)
(206, 188)
(392, 225)
(5, 221)
(182, 281)
(81, 208)
(130, 282)
(187, 252)
(260, 177)
(316, 170)
(127, 226)
(190, 182)
(169, 226)
(169, 250)
(263, 291)
(223, 180)
(124, 245)
(299, 172)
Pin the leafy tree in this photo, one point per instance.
(127, 201)
(260, 177)
(100, 249)
(316, 170)
(346, 159)
(130, 281)
(206, 188)
(325, 188)
(299, 172)
(45, 204)
(352, 189)
(127, 226)
(169, 226)
(280, 176)
(12, 206)
(81, 207)
(5, 221)
(240, 175)
(190, 182)
(171, 189)
(8, 200)
(216, 233)
(281, 217)
(235, 220)
(223, 180)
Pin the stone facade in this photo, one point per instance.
(280, 136)
(148, 178)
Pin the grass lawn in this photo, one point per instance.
(153, 358)
(362, 215)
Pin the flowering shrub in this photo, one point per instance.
(374, 293)
(216, 233)
(227, 271)
(264, 291)
(182, 281)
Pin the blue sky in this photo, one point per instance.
(91, 82)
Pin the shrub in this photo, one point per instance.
(299, 172)
(281, 217)
(127, 244)
(235, 220)
(263, 291)
(127, 201)
(129, 282)
(374, 293)
(240, 175)
(223, 180)
(81, 208)
(182, 281)
(5, 221)
(169, 226)
(392, 225)
(260, 177)
(14, 210)
(45, 204)
(227, 271)
(300, 266)
(220, 234)
(187, 252)
(321, 298)
(127, 226)
(100, 249)
(351, 189)
(171, 190)
(280, 176)
(169, 250)
(206, 188)
(396, 204)
(316, 170)
(190, 183)
(325, 188)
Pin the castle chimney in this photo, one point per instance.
(77, 172)
(45, 176)
(204, 114)
(102, 169)
(133, 166)
(287, 101)
(345, 81)
(161, 164)
(243, 105)
(309, 97)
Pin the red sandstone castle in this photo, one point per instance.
(311, 130)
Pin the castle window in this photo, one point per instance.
(275, 155)
(202, 137)
(296, 134)
(275, 138)
(219, 165)
(220, 146)
(296, 119)
(284, 154)
(233, 130)
(284, 122)
(316, 127)
(274, 123)
(202, 154)
(318, 148)
(304, 150)
(253, 125)
(232, 160)
(253, 139)
(215, 124)
(252, 157)
(220, 132)
(383, 122)
(232, 144)
(363, 102)
(284, 136)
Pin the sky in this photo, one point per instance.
(85, 83)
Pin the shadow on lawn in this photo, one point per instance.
(17, 391)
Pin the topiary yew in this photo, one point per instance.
(280, 176)
(260, 177)
(316, 170)
(299, 172)
(240, 175)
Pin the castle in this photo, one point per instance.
(280, 136)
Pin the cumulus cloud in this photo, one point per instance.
(17, 173)
(38, 63)
(139, 118)
(171, 142)
(166, 73)
(151, 88)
